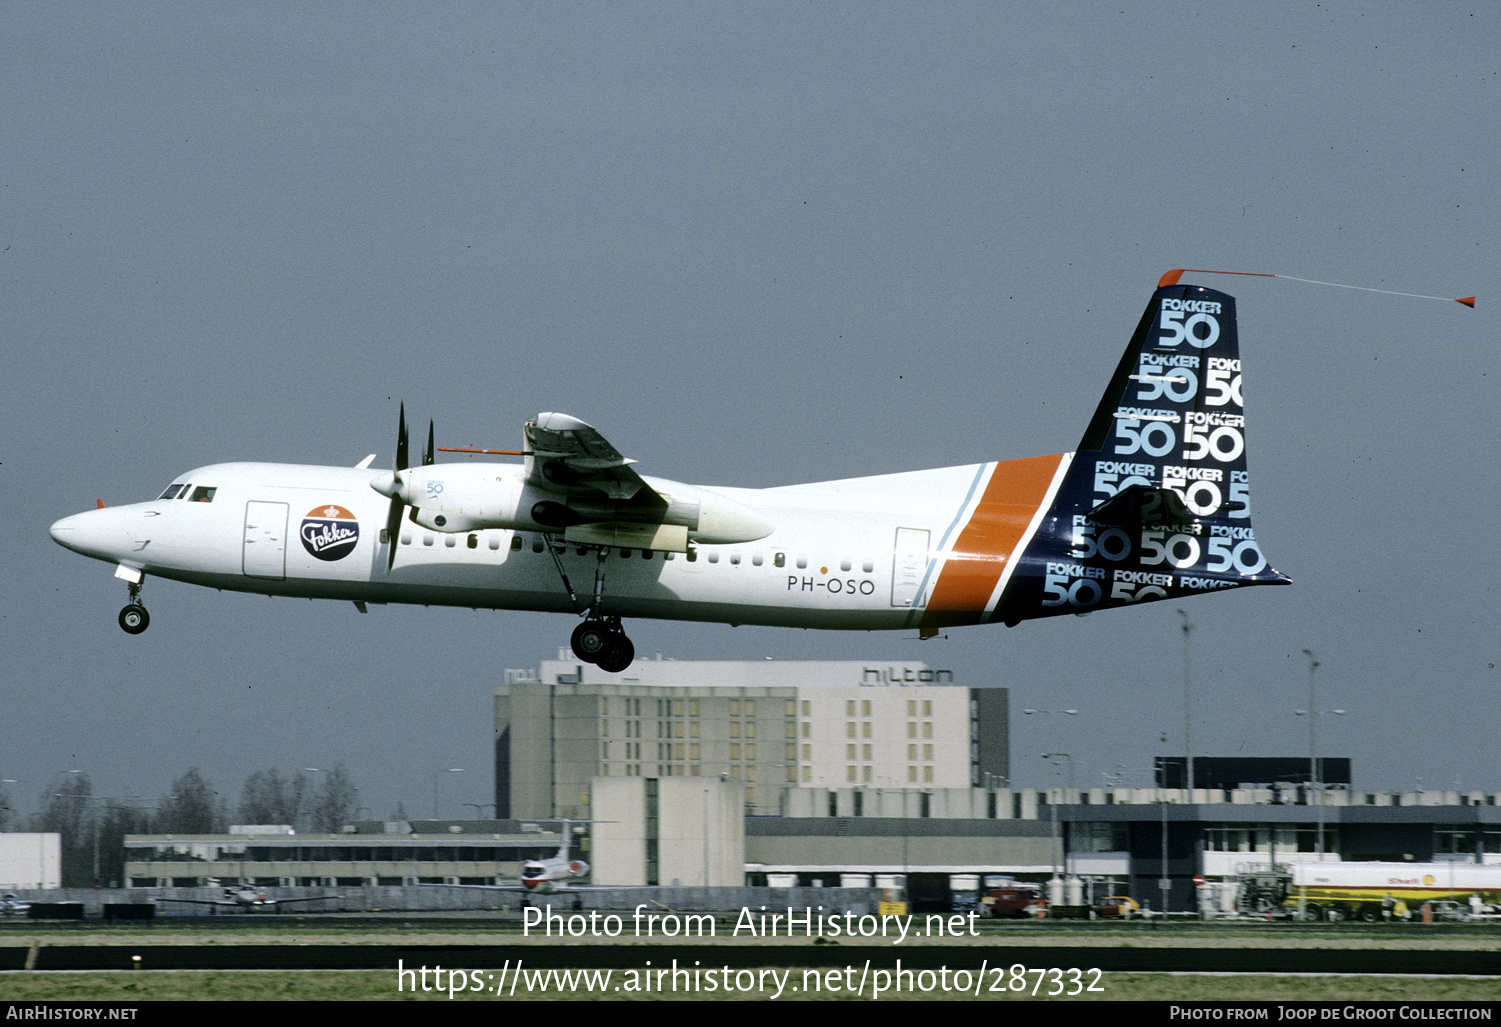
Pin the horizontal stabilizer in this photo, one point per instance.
(1140, 506)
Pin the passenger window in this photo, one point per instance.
(756, 559)
(625, 554)
(735, 559)
(692, 556)
(450, 541)
(204, 494)
(427, 540)
(494, 543)
(844, 565)
(171, 493)
(713, 557)
(537, 545)
(473, 541)
(669, 556)
(646, 554)
(779, 560)
(867, 566)
(515, 543)
(802, 562)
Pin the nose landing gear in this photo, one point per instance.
(134, 619)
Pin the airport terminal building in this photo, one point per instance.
(836, 774)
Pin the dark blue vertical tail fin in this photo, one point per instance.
(1156, 503)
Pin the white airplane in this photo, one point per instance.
(247, 899)
(12, 904)
(550, 876)
(1154, 504)
(546, 876)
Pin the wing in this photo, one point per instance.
(571, 457)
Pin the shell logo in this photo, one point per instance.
(1428, 879)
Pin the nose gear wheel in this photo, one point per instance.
(134, 619)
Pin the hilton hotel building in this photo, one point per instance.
(771, 725)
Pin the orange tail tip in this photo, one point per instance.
(1468, 301)
(101, 502)
(1171, 277)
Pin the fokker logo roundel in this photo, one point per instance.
(330, 532)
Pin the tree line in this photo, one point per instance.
(93, 827)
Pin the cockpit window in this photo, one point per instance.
(172, 491)
(203, 494)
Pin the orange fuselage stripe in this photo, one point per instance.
(990, 539)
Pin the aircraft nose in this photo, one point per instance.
(101, 534)
(66, 531)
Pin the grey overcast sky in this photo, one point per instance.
(753, 244)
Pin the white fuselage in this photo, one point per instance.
(834, 557)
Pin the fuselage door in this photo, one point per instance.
(909, 564)
(265, 540)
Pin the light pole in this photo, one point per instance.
(1050, 757)
(1317, 774)
(1188, 749)
(1050, 714)
(1055, 758)
(450, 770)
(1164, 885)
(1313, 755)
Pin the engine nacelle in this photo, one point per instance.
(456, 498)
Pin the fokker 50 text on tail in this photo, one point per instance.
(1154, 504)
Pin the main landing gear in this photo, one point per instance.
(134, 619)
(598, 640)
(603, 643)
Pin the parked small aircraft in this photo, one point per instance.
(12, 904)
(248, 899)
(1154, 504)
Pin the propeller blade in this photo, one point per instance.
(393, 519)
(427, 456)
(393, 528)
(401, 440)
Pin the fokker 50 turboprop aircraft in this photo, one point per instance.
(1154, 504)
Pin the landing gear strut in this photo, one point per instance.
(598, 640)
(134, 619)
